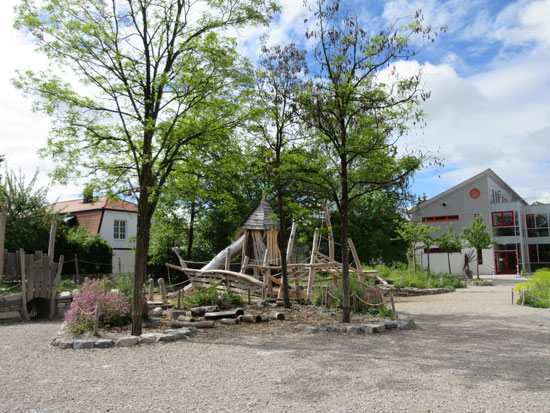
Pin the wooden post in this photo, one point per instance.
(401, 281)
(244, 263)
(76, 268)
(429, 282)
(228, 259)
(179, 299)
(162, 290)
(151, 295)
(354, 302)
(51, 243)
(329, 230)
(356, 259)
(309, 292)
(3, 219)
(290, 245)
(523, 298)
(267, 274)
(441, 282)
(512, 296)
(105, 283)
(249, 301)
(393, 307)
(96, 319)
(119, 266)
(24, 310)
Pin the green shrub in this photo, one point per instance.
(536, 289)
(418, 280)
(123, 284)
(67, 285)
(212, 296)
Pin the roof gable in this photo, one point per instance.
(486, 173)
(261, 217)
(99, 203)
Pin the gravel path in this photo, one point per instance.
(472, 351)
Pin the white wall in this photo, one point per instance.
(438, 262)
(121, 248)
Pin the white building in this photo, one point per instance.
(116, 221)
(520, 231)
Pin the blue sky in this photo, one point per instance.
(489, 75)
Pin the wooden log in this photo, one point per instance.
(330, 233)
(312, 260)
(228, 259)
(356, 259)
(55, 284)
(264, 318)
(229, 321)
(394, 315)
(275, 315)
(244, 264)
(249, 318)
(51, 242)
(201, 311)
(174, 314)
(196, 324)
(151, 293)
(224, 314)
(185, 318)
(162, 290)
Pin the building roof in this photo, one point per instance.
(90, 220)
(99, 203)
(261, 217)
(487, 172)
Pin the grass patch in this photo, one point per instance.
(214, 297)
(418, 280)
(536, 289)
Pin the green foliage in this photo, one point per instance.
(28, 220)
(123, 284)
(211, 296)
(93, 251)
(416, 235)
(476, 236)
(536, 289)
(418, 279)
(373, 222)
(449, 242)
(67, 285)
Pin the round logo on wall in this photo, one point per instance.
(475, 193)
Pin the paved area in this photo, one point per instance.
(472, 351)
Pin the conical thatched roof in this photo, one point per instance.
(261, 217)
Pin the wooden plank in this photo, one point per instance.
(10, 266)
(29, 270)
(37, 277)
(330, 233)
(24, 310)
(356, 259)
(45, 283)
(309, 292)
(56, 280)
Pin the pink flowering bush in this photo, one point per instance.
(114, 310)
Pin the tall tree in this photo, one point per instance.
(154, 76)
(357, 107)
(280, 154)
(449, 242)
(477, 237)
(412, 233)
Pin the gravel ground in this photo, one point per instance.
(472, 351)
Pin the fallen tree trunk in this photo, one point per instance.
(224, 314)
(174, 314)
(196, 324)
(201, 311)
(249, 318)
(229, 321)
(275, 315)
(186, 318)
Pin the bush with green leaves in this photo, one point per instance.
(536, 289)
(212, 296)
(418, 280)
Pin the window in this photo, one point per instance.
(530, 219)
(119, 229)
(533, 253)
(440, 218)
(503, 219)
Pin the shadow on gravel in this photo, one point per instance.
(476, 349)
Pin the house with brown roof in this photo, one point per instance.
(114, 220)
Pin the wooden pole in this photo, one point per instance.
(330, 233)
(267, 274)
(151, 295)
(162, 290)
(393, 306)
(24, 310)
(512, 296)
(309, 292)
(179, 299)
(523, 298)
(51, 243)
(249, 301)
(3, 219)
(76, 268)
(96, 319)
(105, 283)
(356, 259)
(120, 266)
(290, 245)
(228, 259)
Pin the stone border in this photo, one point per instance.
(369, 328)
(167, 336)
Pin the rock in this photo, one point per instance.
(180, 335)
(153, 322)
(174, 314)
(64, 295)
(354, 329)
(83, 344)
(10, 315)
(126, 341)
(308, 327)
(167, 338)
(149, 338)
(336, 329)
(63, 343)
(390, 324)
(188, 331)
(104, 343)
(263, 303)
(373, 328)
(169, 331)
(406, 324)
(156, 312)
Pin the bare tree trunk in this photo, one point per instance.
(346, 309)
(282, 247)
(449, 262)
